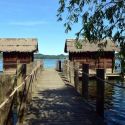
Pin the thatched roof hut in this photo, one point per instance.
(83, 51)
(18, 45)
(86, 46)
(17, 50)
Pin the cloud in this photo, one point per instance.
(28, 23)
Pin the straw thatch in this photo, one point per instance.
(86, 46)
(18, 45)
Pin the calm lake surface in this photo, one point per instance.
(114, 102)
(1, 65)
(50, 63)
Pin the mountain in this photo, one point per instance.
(42, 56)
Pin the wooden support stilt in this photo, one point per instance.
(85, 80)
(100, 92)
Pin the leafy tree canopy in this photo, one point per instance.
(100, 18)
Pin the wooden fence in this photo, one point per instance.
(21, 86)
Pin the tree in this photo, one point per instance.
(100, 18)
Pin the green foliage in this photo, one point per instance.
(101, 19)
(78, 44)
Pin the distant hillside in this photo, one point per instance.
(42, 56)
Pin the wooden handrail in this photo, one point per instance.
(17, 88)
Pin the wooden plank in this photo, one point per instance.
(58, 104)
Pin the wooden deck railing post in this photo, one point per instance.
(76, 75)
(59, 64)
(72, 72)
(100, 92)
(21, 74)
(85, 80)
(68, 70)
(65, 69)
(76, 79)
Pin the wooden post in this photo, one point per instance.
(76, 75)
(113, 63)
(75, 79)
(64, 68)
(85, 80)
(100, 92)
(24, 71)
(70, 72)
(59, 64)
(21, 74)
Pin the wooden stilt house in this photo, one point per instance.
(17, 50)
(97, 55)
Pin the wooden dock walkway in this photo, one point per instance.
(55, 103)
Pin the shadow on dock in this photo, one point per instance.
(62, 106)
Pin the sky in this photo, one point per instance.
(35, 19)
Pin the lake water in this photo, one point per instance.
(114, 102)
(1, 65)
(50, 63)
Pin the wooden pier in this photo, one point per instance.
(55, 103)
(45, 97)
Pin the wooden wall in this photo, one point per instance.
(104, 60)
(10, 59)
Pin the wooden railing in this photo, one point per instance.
(79, 79)
(13, 106)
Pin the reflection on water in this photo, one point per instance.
(114, 102)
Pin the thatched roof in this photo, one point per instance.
(86, 46)
(18, 45)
